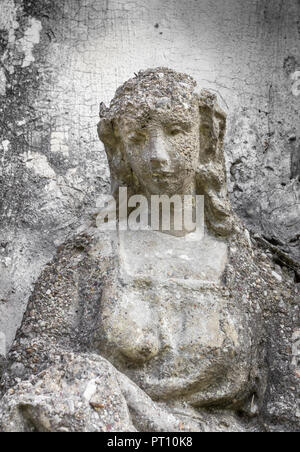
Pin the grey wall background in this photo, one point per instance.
(59, 59)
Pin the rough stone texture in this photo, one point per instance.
(64, 313)
(59, 59)
(84, 393)
(79, 394)
(162, 137)
(188, 349)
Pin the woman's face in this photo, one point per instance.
(163, 149)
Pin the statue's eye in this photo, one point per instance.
(176, 130)
(136, 137)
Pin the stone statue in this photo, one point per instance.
(148, 330)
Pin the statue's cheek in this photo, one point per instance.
(139, 160)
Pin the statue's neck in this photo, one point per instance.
(174, 225)
(170, 213)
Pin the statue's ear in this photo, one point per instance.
(212, 128)
(112, 145)
(106, 133)
(120, 171)
(106, 130)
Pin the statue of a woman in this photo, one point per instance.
(165, 320)
(147, 330)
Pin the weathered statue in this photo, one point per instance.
(148, 330)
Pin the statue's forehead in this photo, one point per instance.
(183, 113)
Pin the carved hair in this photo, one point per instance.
(136, 96)
(211, 172)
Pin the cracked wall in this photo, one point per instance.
(59, 59)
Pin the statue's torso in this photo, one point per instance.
(167, 322)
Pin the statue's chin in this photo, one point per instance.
(166, 184)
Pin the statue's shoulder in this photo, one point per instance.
(65, 299)
(82, 249)
(82, 255)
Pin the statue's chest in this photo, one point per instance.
(168, 294)
(162, 257)
(166, 318)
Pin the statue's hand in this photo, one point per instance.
(78, 394)
(150, 416)
(84, 393)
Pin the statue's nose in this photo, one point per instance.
(159, 157)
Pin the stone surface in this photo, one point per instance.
(78, 394)
(84, 393)
(66, 317)
(60, 59)
(185, 349)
